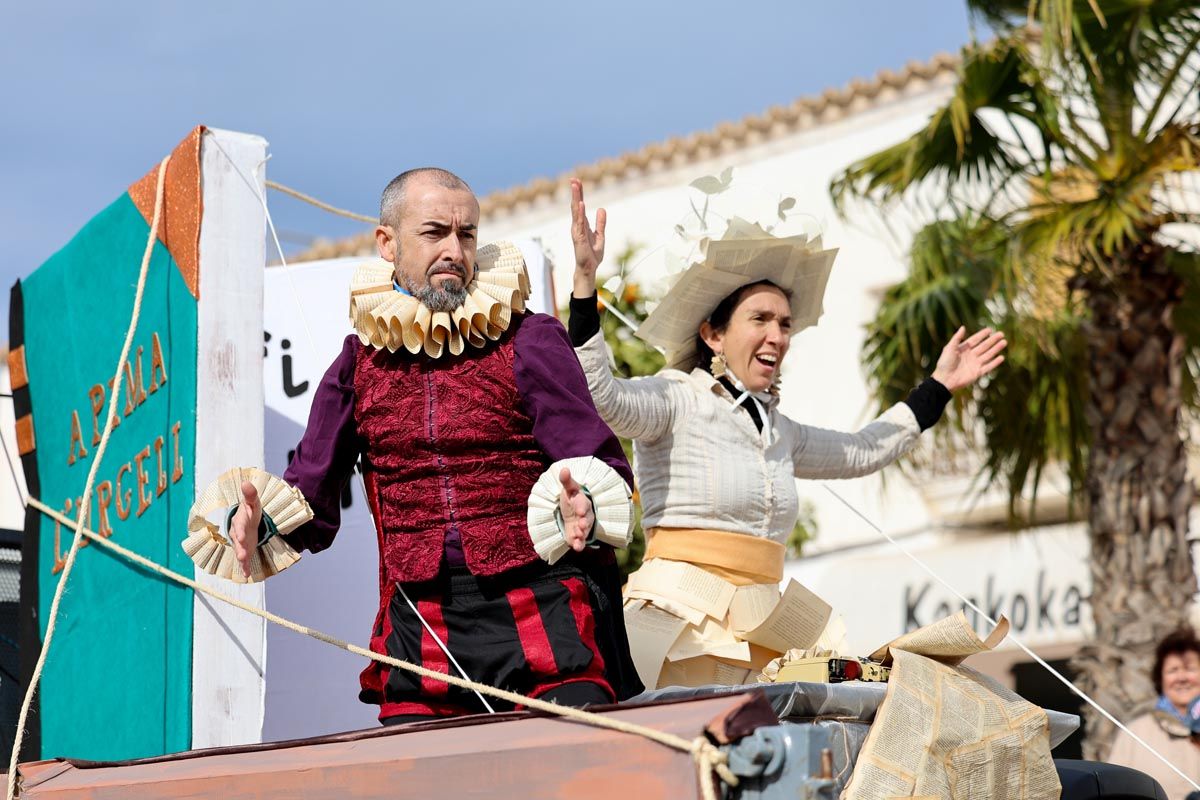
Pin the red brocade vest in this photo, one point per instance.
(448, 445)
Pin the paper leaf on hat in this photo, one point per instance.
(611, 500)
(214, 553)
(714, 184)
(786, 204)
(386, 318)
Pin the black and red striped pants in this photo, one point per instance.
(531, 630)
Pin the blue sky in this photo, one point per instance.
(349, 94)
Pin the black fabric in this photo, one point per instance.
(1084, 780)
(580, 694)
(584, 321)
(605, 582)
(750, 407)
(576, 695)
(29, 625)
(927, 402)
(481, 632)
(404, 719)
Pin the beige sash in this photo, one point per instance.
(739, 558)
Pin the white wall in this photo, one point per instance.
(229, 645)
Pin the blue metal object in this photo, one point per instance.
(793, 761)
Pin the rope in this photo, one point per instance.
(261, 197)
(341, 212)
(970, 604)
(709, 758)
(86, 501)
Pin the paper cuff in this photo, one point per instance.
(611, 499)
(284, 510)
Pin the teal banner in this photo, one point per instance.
(117, 683)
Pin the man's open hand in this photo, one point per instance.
(243, 528)
(577, 513)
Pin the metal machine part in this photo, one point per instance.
(785, 761)
(833, 669)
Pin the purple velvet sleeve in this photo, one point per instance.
(326, 454)
(555, 395)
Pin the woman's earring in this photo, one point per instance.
(717, 367)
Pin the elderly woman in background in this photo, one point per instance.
(715, 460)
(1176, 676)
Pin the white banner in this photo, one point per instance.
(1037, 578)
(312, 688)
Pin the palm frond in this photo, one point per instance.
(957, 144)
(1097, 217)
(955, 270)
(1034, 417)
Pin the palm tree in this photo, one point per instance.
(1056, 183)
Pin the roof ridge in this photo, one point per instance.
(685, 148)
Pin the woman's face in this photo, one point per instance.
(756, 338)
(1181, 678)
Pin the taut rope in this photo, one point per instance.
(341, 212)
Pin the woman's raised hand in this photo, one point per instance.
(589, 244)
(964, 361)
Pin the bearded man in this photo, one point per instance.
(458, 403)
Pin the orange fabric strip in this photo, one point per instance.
(182, 207)
(739, 558)
(25, 442)
(18, 377)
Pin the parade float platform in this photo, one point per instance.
(784, 740)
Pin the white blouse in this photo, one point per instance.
(701, 463)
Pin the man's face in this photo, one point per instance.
(432, 244)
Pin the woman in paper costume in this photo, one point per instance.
(715, 460)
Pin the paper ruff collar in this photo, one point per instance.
(386, 318)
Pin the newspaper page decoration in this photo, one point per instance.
(947, 731)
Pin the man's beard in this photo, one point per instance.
(440, 297)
